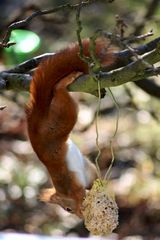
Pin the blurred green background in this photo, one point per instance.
(136, 171)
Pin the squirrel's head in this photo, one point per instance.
(70, 204)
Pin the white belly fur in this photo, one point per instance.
(76, 162)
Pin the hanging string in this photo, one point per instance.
(108, 173)
(97, 131)
(95, 68)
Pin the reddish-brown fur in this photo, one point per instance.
(52, 114)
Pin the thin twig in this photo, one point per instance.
(151, 8)
(79, 30)
(23, 23)
(118, 39)
(107, 175)
(2, 107)
(7, 44)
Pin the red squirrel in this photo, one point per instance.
(51, 116)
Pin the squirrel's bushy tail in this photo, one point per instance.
(52, 70)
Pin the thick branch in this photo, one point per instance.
(29, 64)
(16, 81)
(132, 72)
(122, 58)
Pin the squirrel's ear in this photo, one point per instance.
(47, 195)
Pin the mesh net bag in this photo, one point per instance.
(100, 210)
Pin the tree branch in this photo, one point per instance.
(146, 85)
(150, 87)
(132, 72)
(29, 64)
(15, 81)
(122, 58)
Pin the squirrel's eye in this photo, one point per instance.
(68, 209)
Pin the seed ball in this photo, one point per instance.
(100, 210)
